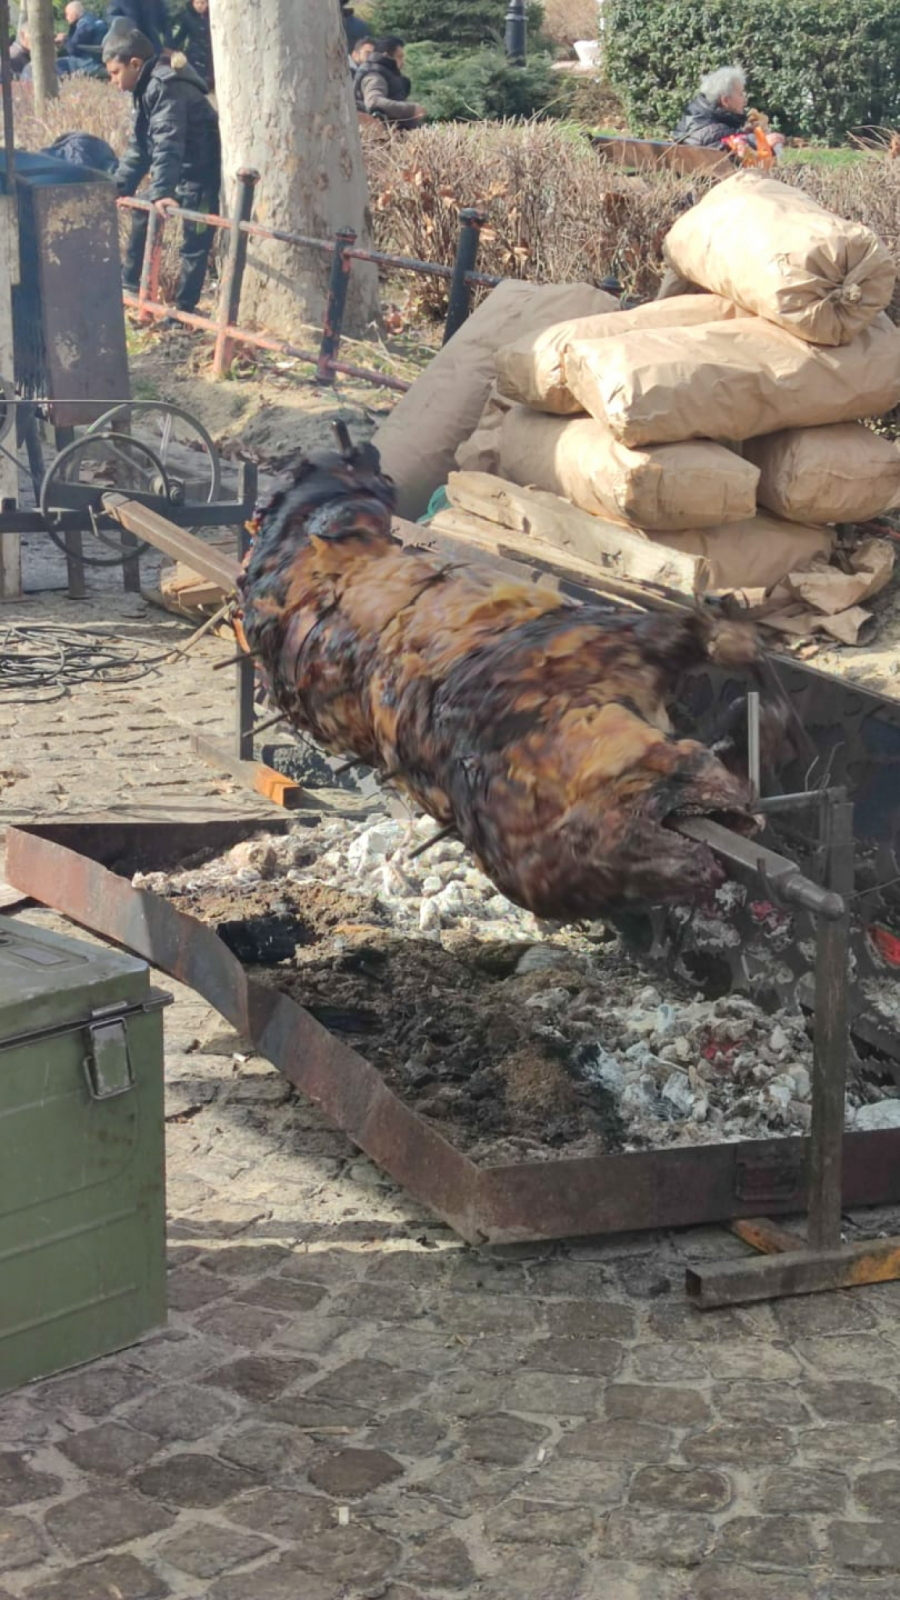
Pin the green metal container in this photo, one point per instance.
(82, 1160)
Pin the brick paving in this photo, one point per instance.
(349, 1405)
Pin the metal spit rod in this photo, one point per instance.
(784, 878)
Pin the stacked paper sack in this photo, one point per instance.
(725, 422)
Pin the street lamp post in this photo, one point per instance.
(515, 33)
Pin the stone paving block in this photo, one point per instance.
(266, 1448)
(562, 1277)
(466, 1313)
(21, 1542)
(598, 1358)
(729, 1443)
(680, 1489)
(26, 1422)
(779, 1541)
(258, 1378)
(193, 1480)
(677, 1539)
(93, 1522)
(591, 1319)
(277, 1581)
(93, 1391)
(208, 1549)
(556, 1394)
(111, 1449)
(242, 1324)
(409, 1433)
(841, 1444)
(19, 1483)
(677, 1321)
(867, 1546)
(351, 1472)
(502, 1439)
(765, 1404)
(636, 1442)
(851, 1401)
(188, 1288)
(838, 1312)
(661, 1362)
(464, 1489)
(718, 1580)
(310, 1334)
(678, 1408)
(368, 1384)
(181, 1414)
(322, 1416)
(120, 1577)
(879, 1493)
(800, 1489)
(532, 1521)
(443, 1563)
(550, 1574)
(289, 1517)
(281, 1294)
(356, 1556)
(597, 1483)
(843, 1357)
(419, 1269)
(375, 1302)
(332, 1266)
(875, 1589)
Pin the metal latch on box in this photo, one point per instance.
(107, 1064)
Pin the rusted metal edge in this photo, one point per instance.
(523, 1201)
(344, 1085)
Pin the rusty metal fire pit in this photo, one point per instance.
(75, 867)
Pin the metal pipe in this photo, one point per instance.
(148, 290)
(233, 276)
(783, 877)
(831, 1032)
(753, 759)
(515, 37)
(471, 223)
(9, 140)
(335, 305)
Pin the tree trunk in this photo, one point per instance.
(41, 29)
(286, 108)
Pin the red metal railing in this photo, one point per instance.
(343, 250)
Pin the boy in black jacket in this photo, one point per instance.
(174, 140)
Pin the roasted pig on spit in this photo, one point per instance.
(534, 726)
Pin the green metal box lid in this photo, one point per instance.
(48, 981)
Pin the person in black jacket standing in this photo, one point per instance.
(149, 17)
(382, 89)
(191, 32)
(174, 141)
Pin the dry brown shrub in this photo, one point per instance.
(556, 214)
(568, 20)
(84, 106)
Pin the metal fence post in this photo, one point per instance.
(514, 37)
(233, 276)
(471, 224)
(341, 264)
(148, 286)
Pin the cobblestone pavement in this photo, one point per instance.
(348, 1405)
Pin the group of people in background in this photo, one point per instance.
(184, 28)
(381, 89)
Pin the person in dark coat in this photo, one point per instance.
(192, 34)
(382, 89)
(174, 141)
(354, 27)
(149, 17)
(85, 32)
(719, 112)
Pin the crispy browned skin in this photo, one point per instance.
(536, 726)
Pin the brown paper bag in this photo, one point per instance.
(753, 555)
(692, 485)
(530, 371)
(731, 380)
(841, 473)
(481, 451)
(778, 253)
(425, 429)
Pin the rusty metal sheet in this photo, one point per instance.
(77, 240)
(525, 1201)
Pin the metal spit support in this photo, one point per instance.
(790, 1264)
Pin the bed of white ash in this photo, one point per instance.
(521, 1039)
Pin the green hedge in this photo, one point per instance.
(477, 85)
(818, 67)
(460, 24)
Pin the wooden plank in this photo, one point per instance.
(644, 154)
(527, 557)
(614, 549)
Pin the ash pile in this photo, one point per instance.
(521, 1040)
